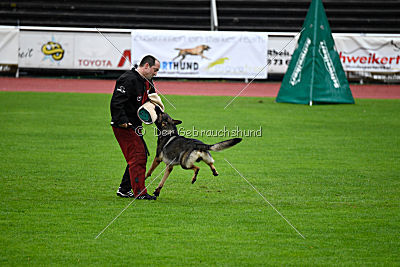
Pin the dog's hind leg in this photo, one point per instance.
(206, 157)
(214, 171)
(153, 166)
(161, 184)
(196, 171)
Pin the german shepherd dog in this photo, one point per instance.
(197, 51)
(174, 149)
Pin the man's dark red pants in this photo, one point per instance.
(134, 151)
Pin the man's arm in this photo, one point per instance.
(117, 105)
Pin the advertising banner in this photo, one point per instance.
(8, 49)
(186, 53)
(280, 51)
(73, 50)
(369, 54)
(203, 54)
(94, 51)
(46, 50)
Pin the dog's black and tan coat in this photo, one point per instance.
(174, 149)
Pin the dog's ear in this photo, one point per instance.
(158, 110)
(159, 113)
(176, 122)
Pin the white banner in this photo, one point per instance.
(8, 49)
(73, 50)
(186, 53)
(46, 50)
(369, 54)
(280, 51)
(203, 54)
(93, 51)
(9, 46)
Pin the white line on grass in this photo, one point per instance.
(262, 69)
(158, 91)
(116, 217)
(265, 199)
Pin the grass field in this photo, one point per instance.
(333, 171)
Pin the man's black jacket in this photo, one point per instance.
(129, 94)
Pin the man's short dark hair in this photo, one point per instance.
(148, 59)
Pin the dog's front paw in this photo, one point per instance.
(157, 192)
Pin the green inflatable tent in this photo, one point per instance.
(315, 74)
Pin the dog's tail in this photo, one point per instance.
(225, 144)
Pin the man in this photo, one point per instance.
(130, 92)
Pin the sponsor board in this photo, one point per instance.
(69, 50)
(280, 51)
(46, 50)
(203, 54)
(9, 49)
(229, 56)
(93, 51)
(364, 54)
(369, 54)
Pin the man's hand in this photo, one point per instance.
(125, 125)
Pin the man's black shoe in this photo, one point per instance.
(126, 194)
(147, 196)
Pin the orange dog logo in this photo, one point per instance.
(197, 51)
